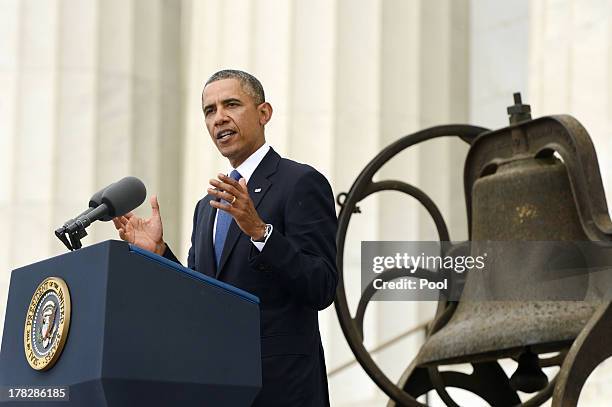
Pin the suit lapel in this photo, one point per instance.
(259, 184)
(208, 265)
(259, 181)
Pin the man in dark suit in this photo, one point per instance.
(267, 227)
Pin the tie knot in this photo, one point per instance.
(235, 175)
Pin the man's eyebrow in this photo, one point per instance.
(224, 101)
(229, 100)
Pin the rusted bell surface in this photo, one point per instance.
(527, 199)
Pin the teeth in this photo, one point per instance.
(224, 134)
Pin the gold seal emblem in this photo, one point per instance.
(47, 323)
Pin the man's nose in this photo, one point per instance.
(220, 117)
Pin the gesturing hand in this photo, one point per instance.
(240, 205)
(144, 233)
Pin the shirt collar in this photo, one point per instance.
(247, 168)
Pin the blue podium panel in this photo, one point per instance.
(143, 331)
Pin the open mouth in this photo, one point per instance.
(225, 134)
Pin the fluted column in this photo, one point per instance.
(139, 103)
(570, 71)
(35, 132)
(30, 71)
(356, 133)
(11, 25)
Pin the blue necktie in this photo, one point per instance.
(224, 220)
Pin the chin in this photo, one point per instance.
(225, 152)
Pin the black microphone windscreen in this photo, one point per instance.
(96, 199)
(124, 195)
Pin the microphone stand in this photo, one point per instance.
(116, 199)
(71, 234)
(75, 228)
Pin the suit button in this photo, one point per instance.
(261, 267)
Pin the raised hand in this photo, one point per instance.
(144, 233)
(240, 204)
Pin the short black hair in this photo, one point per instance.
(250, 84)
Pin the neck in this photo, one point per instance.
(236, 162)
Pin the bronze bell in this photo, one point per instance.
(518, 189)
(535, 204)
(523, 199)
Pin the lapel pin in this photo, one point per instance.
(257, 189)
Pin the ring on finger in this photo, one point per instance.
(233, 200)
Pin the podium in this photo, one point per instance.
(142, 330)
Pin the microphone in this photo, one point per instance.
(117, 199)
(94, 201)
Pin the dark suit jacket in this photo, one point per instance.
(294, 275)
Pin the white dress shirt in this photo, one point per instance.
(246, 169)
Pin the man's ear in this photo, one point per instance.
(265, 113)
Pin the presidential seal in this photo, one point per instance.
(47, 323)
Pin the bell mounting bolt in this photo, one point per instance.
(519, 112)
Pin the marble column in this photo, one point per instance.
(570, 72)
